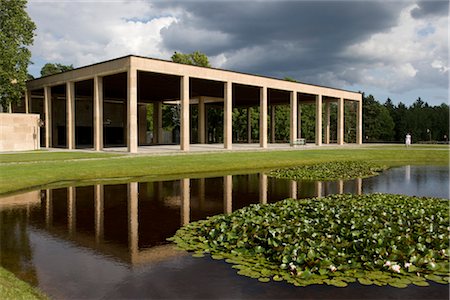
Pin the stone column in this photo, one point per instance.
(262, 188)
(185, 185)
(70, 114)
(48, 117)
(249, 124)
(359, 123)
(228, 115)
(327, 122)
(132, 136)
(228, 194)
(184, 122)
(133, 218)
(71, 209)
(318, 120)
(98, 113)
(27, 101)
(263, 117)
(340, 120)
(272, 124)
(201, 120)
(293, 119)
(99, 193)
(157, 123)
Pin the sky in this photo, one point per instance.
(390, 49)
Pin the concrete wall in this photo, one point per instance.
(19, 132)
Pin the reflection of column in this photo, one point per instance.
(272, 124)
(293, 117)
(71, 209)
(99, 211)
(340, 120)
(227, 115)
(201, 120)
(408, 173)
(48, 208)
(133, 214)
(318, 186)
(201, 193)
(185, 200)
(359, 186)
(263, 117)
(249, 125)
(340, 186)
(318, 120)
(262, 188)
(184, 126)
(327, 122)
(293, 189)
(228, 194)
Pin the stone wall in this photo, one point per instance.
(19, 132)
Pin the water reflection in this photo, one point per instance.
(107, 227)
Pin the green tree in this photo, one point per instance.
(16, 34)
(196, 58)
(50, 69)
(377, 122)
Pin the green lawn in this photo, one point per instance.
(23, 171)
(12, 288)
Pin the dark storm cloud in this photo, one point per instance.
(427, 8)
(278, 37)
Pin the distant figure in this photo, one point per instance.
(408, 140)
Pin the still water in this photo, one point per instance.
(109, 241)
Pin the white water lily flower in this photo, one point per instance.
(387, 264)
(407, 265)
(333, 268)
(396, 268)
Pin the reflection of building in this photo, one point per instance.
(105, 104)
(132, 221)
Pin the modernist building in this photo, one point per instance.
(105, 104)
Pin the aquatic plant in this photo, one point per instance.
(373, 239)
(329, 171)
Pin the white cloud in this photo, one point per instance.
(81, 33)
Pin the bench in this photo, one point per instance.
(301, 142)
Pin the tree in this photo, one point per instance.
(50, 69)
(196, 58)
(16, 33)
(377, 122)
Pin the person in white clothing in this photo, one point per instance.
(408, 140)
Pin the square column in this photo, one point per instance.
(340, 121)
(157, 123)
(48, 119)
(249, 125)
(299, 120)
(263, 117)
(319, 120)
(359, 122)
(27, 101)
(228, 115)
(70, 114)
(184, 124)
(201, 121)
(293, 119)
(132, 136)
(98, 113)
(327, 122)
(272, 124)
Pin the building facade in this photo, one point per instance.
(105, 104)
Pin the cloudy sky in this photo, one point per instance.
(395, 49)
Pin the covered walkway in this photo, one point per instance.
(106, 105)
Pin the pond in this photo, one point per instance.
(109, 241)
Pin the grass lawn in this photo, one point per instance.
(12, 288)
(21, 171)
